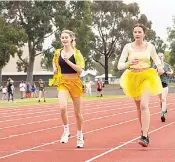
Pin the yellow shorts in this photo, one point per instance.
(73, 85)
(134, 84)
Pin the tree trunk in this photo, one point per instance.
(31, 61)
(106, 70)
(30, 68)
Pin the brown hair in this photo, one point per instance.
(141, 26)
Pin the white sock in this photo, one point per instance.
(79, 133)
(66, 128)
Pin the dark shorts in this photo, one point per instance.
(164, 85)
(99, 90)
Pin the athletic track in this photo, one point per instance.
(111, 130)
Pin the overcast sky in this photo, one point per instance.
(160, 12)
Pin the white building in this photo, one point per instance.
(111, 79)
(12, 67)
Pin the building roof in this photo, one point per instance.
(84, 73)
(103, 76)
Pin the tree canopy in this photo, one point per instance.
(113, 23)
(102, 29)
(11, 39)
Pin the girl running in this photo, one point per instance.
(140, 81)
(68, 63)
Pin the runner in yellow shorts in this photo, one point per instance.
(68, 63)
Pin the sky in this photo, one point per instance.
(160, 12)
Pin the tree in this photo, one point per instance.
(100, 69)
(35, 18)
(113, 25)
(11, 38)
(151, 35)
(77, 17)
(171, 38)
(167, 57)
(159, 45)
(46, 61)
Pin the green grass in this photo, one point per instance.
(31, 101)
(19, 102)
(172, 84)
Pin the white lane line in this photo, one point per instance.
(41, 121)
(53, 119)
(70, 107)
(87, 108)
(53, 142)
(128, 142)
(41, 130)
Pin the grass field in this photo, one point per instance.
(34, 101)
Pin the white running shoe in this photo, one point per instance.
(65, 137)
(80, 142)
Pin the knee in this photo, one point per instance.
(63, 112)
(78, 115)
(143, 107)
(163, 99)
(63, 108)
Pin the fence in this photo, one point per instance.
(17, 83)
